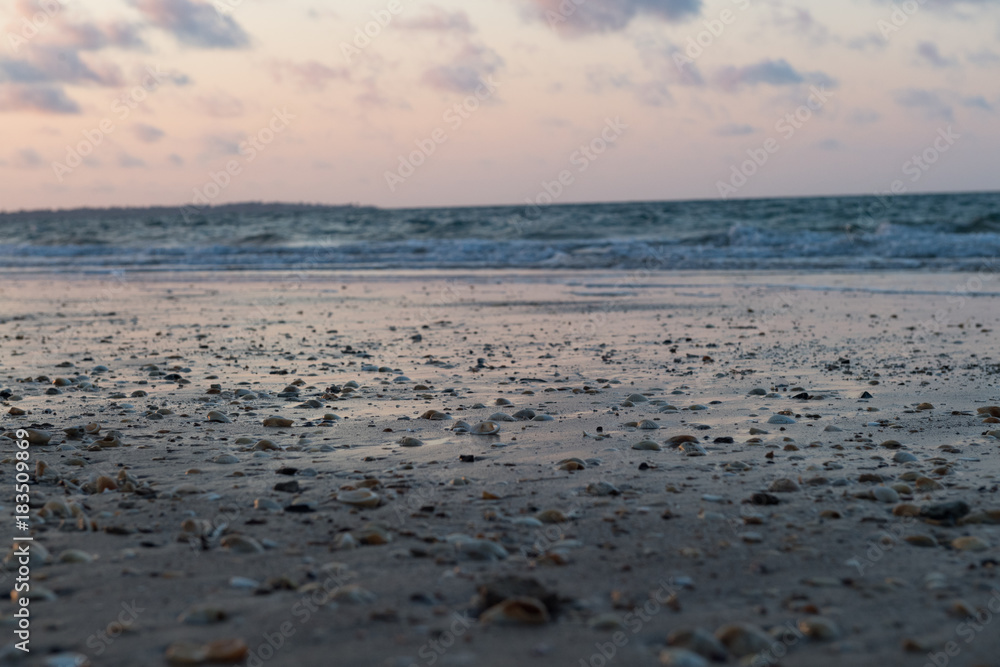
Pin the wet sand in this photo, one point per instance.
(804, 529)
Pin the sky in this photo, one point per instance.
(445, 103)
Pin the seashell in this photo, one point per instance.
(374, 534)
(461, 427)
(904, 457)
(435, 415)
(196, 527)
(75, 556)
(602, 489)
(266, 504)
(485, 428)
(264, 446)
(225, 459)
(345, 541)
(216, 416)
(352, 594)
(501, 417)
(58, 507)
(480, 549)
(678, 440)
(502, 401)
(648, 445)
(925, 406)
(278, 422)
(459, 481)
(105, 483)
(648, 425)
(668, 408)
(517, 610)
(970, 543)
(543, 418)
(551, 516)
(226, 651)
(992, 411)
(525, 415)
(743, 639)
(36, 556)
(359, 498)
(410, 441)
(693, 449)
(820, 629)
(781, 419)
(637, 398)
(241, 544)
(830, 428)
(571, 464)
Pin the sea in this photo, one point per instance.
(942, 232)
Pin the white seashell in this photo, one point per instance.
(501, 417)
(409, 441)
(781, 419)
(485, 428)
(693, 449)
(360, 498)
(480, 549)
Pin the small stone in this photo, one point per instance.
(751, 537)
(241, 544)
(602, 488)
(409, 441)
(784, 485)
(904, 457)
(681, 657)
(266, 504)
(946, 513)
(743, 639)
(352, 594)
(517, 611)
(225, 459)
(885, 494)
(277, 422)
(925, 406)
(970, 543)
(67, 660)
(186, 653)
(551, 516)
(927, 484)
(830, 428)
(919, 540)
(648, 445)
(265, 446)
(700, 641)
(216, 416)
(818, 628)
(226, 651)
(75, 556)
(637, 398)
(435, 415)
(203, 615)
(291, 486)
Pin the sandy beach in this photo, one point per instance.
(834, 501)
